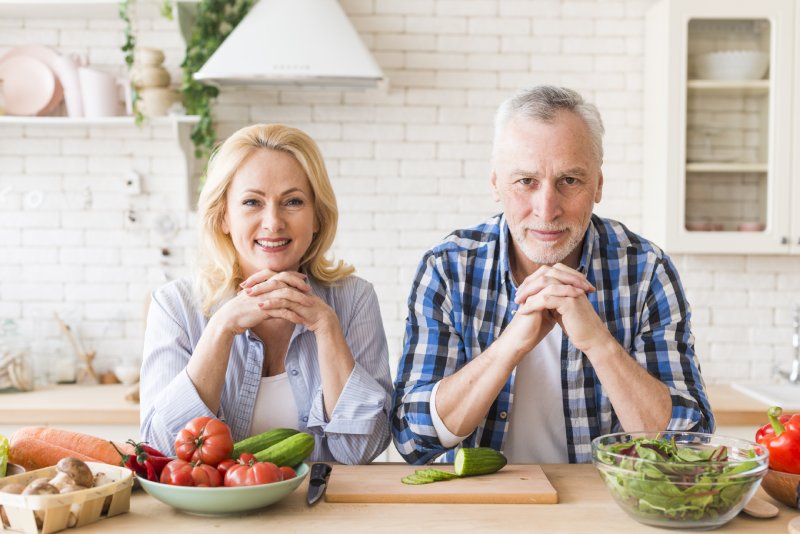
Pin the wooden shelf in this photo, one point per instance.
(726, 167)
(748, 87)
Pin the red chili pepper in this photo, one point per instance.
(145, 461)
(783, 441)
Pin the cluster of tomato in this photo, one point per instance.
(203, 449)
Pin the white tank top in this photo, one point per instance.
(275, 405)
(537, 432)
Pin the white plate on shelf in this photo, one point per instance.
(29, 86)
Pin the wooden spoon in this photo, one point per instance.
(760, 508)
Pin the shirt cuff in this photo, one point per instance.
(180, 402)
(360, 403)
(446, 438)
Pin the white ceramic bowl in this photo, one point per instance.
(127, 374)
(222, 500)
(732, 65)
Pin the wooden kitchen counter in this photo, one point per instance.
(72, 404)
(732, 407)
(79, 404)
(585, 506)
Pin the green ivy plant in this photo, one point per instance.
(214, 21)
(128, 48)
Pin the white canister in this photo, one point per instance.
(102, 93)
(66, 67)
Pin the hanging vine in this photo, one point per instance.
(128, 49)
(215, 21)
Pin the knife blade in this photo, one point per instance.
(317, 482)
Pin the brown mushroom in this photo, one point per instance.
(70, 486)
(77, 470)
(101, 479)
(40, 486)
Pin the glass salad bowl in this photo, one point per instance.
(682, 480)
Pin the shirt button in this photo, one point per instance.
(503, 415)
(305, 419)
(295, 372)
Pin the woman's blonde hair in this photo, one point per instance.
(218, 272)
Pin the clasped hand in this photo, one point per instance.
(558, 294)
(285, 295)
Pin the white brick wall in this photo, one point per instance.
(408, 165)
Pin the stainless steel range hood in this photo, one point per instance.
(295, 42)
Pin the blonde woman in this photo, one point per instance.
(270, 333)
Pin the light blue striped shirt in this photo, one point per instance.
(358, 429)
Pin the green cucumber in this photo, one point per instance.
(478, 461)
(415, 480)
(290, 451)
(435, 475)
(427, 476)
(262, 441)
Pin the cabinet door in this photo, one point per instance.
(717, 126)
(794, 177)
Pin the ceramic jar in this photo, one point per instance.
(152, 80)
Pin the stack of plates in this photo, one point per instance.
(31, 85)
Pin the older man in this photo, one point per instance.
(545, 326)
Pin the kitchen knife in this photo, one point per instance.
(317, 482)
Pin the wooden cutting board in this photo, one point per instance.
(514, 484)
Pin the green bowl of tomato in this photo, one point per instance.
(223, 500)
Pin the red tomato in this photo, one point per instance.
(182, 473)
(204, 440)
(224, 465)
(246, 458)
(251, 475)
(287, 472)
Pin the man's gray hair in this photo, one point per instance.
(541, 103)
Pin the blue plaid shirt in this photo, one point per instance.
(463, 297)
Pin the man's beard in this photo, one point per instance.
(547, 253)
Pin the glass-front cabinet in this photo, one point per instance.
(719, 89)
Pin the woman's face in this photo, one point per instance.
(270, 212)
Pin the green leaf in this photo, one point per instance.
(3, 455)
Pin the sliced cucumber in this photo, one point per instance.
(435, 475)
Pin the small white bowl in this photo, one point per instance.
(127, 374)
(732, 65)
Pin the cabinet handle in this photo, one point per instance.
(784, 240)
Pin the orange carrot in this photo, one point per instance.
(42, 447)
(32, 453)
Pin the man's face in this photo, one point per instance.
(547, 178)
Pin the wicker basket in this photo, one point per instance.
(57, 512)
